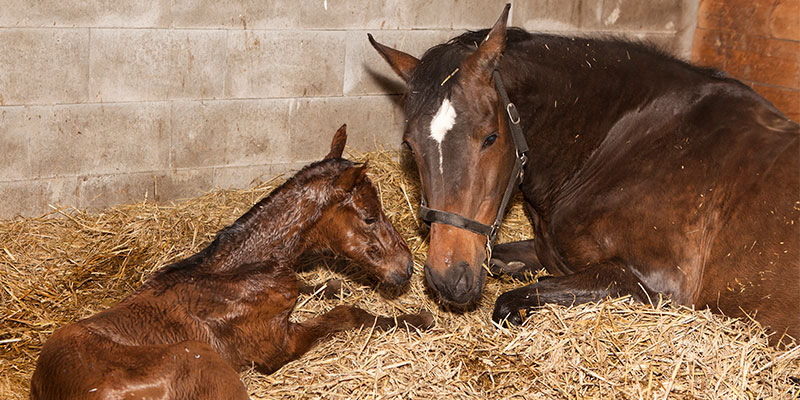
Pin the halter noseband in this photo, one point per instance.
(521, 146)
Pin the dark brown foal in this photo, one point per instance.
(189, 330)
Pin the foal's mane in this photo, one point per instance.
(429, 84)
(230, 235)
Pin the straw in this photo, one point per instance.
(71, 263)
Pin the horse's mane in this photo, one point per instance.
(428, 85)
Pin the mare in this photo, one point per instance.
(192, 327)
(643, 176)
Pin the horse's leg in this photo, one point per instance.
(332, 289)
(517, 259)
(75, 366)
(594, 283)
(304, 335)
(185, 370)
(201, 373)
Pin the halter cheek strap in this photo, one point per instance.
(521, 148)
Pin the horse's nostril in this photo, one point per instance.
(410, 268)
(429, 278)
(464, 277)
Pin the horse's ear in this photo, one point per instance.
(351, 177)
(402, 63)
(337, 144)
(485, 59)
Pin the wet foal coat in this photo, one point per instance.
(189, 330)
(646, 175)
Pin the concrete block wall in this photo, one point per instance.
(105, 102)
(756, 41)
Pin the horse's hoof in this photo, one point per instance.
(506, 312)
(515, 269)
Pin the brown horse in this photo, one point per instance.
(644, 176)
(196, 323)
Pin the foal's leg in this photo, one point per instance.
(332, 289)
(302, 336)
(609, 279)
(185, 370)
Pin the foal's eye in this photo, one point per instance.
(408, 147)
(370, 221)
(489, 140)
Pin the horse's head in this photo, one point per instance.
(357, 228)
(463, 148)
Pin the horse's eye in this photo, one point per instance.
(489, 140)
(370, 221)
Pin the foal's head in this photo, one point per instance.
(463, 149)
(357, 228)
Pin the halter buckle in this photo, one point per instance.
(493, 233)
(513, 114)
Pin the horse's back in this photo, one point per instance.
(699, 191)
(753, 266)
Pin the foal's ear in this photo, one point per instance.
(485, 59)
(337, 144)
(402, 63)
(351, 177)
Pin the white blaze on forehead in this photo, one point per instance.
(443, 121)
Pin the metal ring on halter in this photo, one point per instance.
(513, 114)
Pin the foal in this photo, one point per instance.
(189, 330)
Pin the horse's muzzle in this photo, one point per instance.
(458, 285)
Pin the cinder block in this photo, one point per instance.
(278, 14)
(43, 66)
(31, 198)
(650, 16)
(285, 64)
(107, 13)
(366, 72)
(15, 161)
(184, 184)
(452, 14)
(130, 65)
(337, 14)
(230, 132)
(215, 14)
(555, 15)
(95, 192)
(244, 177)
(97, 139)
(372, 122)
(197, 61)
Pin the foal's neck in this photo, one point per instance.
(275, 230)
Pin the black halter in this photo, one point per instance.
(490, 231)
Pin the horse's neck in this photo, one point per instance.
(570, 96)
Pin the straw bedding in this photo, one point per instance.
(72, 263)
